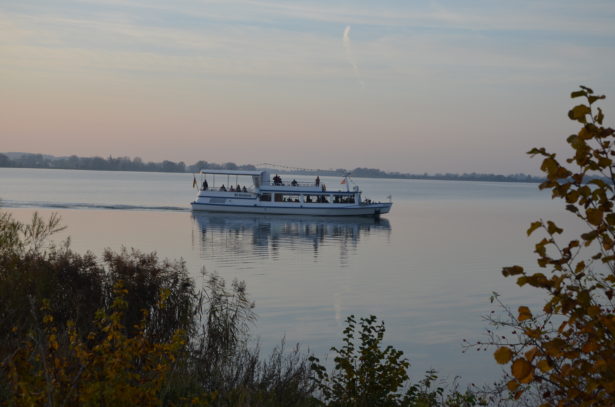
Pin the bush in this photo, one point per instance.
(364, 374)
(129, 329)
(565, 352)
(55, 366)
(368, 375)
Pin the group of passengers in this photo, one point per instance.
(277, 180)
(234, 189)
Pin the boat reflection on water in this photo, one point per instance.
(241, 239)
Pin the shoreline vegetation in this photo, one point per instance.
(73, 162)
(129, 328)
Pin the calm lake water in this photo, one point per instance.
(427, 269)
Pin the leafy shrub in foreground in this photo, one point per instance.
(564, 353)
(368, 375)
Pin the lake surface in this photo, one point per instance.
(427, 268)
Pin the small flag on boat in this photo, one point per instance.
(193, 181)
(343, 181)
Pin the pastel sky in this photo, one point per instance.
(411, 86)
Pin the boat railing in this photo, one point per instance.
(217, 189)
(292, 184)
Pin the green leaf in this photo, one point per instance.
(577, 94)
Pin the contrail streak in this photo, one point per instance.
(350, 56)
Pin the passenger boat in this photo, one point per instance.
(273, 196)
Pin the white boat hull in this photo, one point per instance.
(375, 209)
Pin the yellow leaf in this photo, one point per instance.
(549, 165)
(600, 365)
(594, 216)
(527, 379)
(593, 310)
(544, 366)
(610, 386)
(524, 313)
(578, 113)
(512, 385)
(585, 134)
(533, 333)
(503, 355)
(531, 354)
(533, 227)
(554, 347)
(521, 368)
(553, 229)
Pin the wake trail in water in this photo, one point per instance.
(73, 205)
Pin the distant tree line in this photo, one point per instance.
(73, 162)
(362, 172)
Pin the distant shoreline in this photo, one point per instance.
(40, 161)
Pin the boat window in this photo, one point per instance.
(287, 198)
(343, 199)
(320, 199)
(265, 197)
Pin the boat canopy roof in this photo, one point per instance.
(231, 172)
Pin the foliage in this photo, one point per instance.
(144, 277)
(221, 360)
(109, 331)
(107, 368)
(366, 374)
(17, 238)
(567, 350)
(76, 286)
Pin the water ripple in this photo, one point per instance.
(87, 205)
